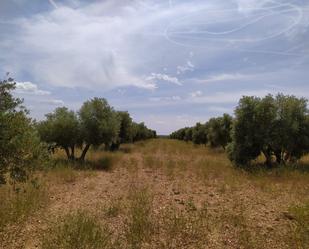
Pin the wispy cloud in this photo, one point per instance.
(189, 66)
(224, 77)
(53, 3)
(163, 77)
(196, 94)
(160, 99)
(55, 102)
(216, 50)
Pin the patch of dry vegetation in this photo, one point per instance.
(172, 194)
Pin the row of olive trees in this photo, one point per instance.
(275, 127)
(216, 132)
(96, 123)
(20, 147)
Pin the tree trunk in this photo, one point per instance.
(72, 156)
(267, 155)
(67, 151)
(278, 157)
(85, 150)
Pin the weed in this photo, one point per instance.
(77, 231)
(185, 230)
(301, 226)
(139, 226)
(113, 209)
(17, 205)
(63, 173)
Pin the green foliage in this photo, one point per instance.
(126, 127)
(219, 131)
(277, 127)
(99, 122)
(95, 124)
(20, 147)
(77, 231)
(62, 129)
(199, 134)
(141, 132)
(216, 132)
(125, 132)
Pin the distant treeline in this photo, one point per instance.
(274, 126)
(24, 143)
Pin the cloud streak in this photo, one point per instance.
(29, 88)
(163, 77)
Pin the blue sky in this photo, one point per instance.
(169, 63)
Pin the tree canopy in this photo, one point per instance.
(20, 146)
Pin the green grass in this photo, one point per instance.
(77, 231)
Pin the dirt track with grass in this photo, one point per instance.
(169, 194)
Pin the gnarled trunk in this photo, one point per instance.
(72, 156)
(267, 154)
(85, 150)
(67, 151)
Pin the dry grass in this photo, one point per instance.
(171, 194)
(77, 230)
(18, 204)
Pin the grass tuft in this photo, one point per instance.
(139, 226)
(300, 229)
(77, 231)
(17, 205)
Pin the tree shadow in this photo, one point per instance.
(105, 163)
(258, 168)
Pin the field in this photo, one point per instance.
(159, 193)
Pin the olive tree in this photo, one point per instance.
(62, 129)
(125, 132)
(99, 124)
(276, 127)
(219, 131)
(199, 134)
(20, 147)
(179, 134)
(141, 132)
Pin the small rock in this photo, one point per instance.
(269, 228)
(288, 216)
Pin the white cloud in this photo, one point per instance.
(196, 94)
(85, 47)
(163, 77)
(29, 88)
(189, 66)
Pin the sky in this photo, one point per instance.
(170, 63)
